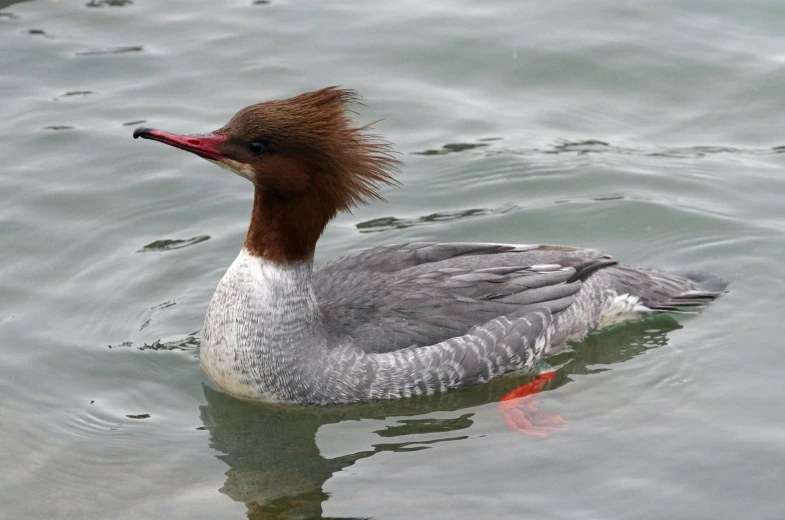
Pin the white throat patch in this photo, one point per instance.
(241, 169)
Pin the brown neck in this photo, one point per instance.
(285, 230)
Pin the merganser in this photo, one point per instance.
(393, 321)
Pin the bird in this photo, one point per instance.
(393, 321)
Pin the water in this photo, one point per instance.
(652, 132)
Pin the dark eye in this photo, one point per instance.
(256, 147)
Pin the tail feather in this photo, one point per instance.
(665, 292)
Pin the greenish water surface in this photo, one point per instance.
(652, 131)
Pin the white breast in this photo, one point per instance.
(257, 309)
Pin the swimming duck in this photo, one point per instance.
(392, 321)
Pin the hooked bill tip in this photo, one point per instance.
(141, 132)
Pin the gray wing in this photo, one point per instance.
(487, 351)
(393, 297)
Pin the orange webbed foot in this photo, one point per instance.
(519, 409)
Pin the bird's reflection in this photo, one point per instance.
(278, 471)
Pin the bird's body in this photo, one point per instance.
(393, 321)
(415, 319)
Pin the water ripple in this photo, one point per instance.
(172, 244)
(596, 146)
(451, 148)
(108, 3)
(189, 343)
(385, 223)
(112, 50)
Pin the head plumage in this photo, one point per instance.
(315, 128)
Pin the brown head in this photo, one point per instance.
(306, 160)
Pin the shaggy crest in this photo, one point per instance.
(348, 162)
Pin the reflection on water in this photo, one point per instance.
(276, 467)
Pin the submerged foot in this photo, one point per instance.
(519, 409)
